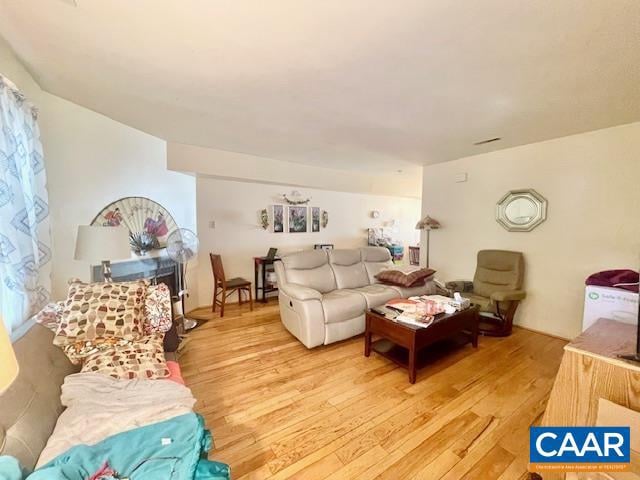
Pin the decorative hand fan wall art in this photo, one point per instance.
(149, 223)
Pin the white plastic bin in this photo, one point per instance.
(607, 302)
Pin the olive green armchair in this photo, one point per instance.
(496, 289)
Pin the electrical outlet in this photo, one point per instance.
(212, 224)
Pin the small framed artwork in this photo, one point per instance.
(315, 219)
(277, 216)
(297, 219)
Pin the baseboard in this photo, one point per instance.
(566, 339)
(244, 302)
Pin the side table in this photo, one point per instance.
(262, 265)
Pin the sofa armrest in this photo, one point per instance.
(508, 296)
(461, 286)
(300, 292)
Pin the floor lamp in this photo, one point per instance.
(428, 224)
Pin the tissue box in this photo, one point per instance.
(461, 304)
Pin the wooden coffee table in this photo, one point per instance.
(403, 343)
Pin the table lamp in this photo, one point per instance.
(102, 244)
(428, 224)
(8, 362)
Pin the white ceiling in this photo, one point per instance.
(355, 84)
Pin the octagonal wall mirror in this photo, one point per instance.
(521, 210)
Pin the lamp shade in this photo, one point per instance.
(8, 362)
(428, 223)
(95, 244)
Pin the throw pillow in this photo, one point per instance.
(78, 351)
(405, 279)
(157, 309)
(143, 359)
(102, 310)
(50, 315)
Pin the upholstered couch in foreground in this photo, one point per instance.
(324, 295)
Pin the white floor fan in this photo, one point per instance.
(182, 247)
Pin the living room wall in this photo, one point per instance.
(591, 184)
(234, 206)
(92, 160)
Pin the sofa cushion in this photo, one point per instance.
(341, 305)
(375, 254)
(377, 294)
(348, 268)
(305, 260)
(429, 288)
(30, 407)
(375, 259)
(310, 269)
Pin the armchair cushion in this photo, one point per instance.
(498, 270)
(300, 292)
(508, 295)
(487, 304)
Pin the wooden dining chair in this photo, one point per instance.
(223, 288)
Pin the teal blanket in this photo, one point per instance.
(175, 449)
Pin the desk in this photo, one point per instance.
(591, 370)
(260, 268)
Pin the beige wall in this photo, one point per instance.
(591, 181)
(92, 160)
(234, 206)
(238, 166)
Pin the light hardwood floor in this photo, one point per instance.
(278, 410)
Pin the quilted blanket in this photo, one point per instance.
(99, 406)
(171, 450)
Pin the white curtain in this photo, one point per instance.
(25, 239)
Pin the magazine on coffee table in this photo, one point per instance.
(415, 320)
(411, 312)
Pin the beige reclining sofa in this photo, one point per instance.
(323, 295)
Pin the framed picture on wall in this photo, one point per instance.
(315, 219)
(277, 216)
(297, 219)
